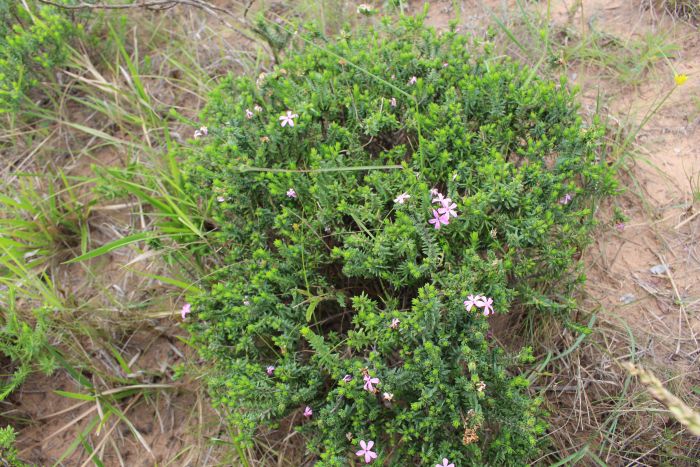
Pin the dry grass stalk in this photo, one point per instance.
(677, 407)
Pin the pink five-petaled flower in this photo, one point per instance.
(413, 80)
(473, 301)
(439, 220)
(487, 305)
(402, 198)
(248, 114)
(369, 381)
(347, 378)
(270, 370)
(308, 412)
(445, 463)
(566, 199)
(448, 208)
(394, 323)
(186, 309)
(288, 119)
(291, 193)
(366, 451)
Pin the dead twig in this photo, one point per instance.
(157, 5)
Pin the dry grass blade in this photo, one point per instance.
(677, 407)
(682, 312)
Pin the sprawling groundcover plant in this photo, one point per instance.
(378, 199)
(33, 42)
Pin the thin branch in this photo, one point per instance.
(162, 5)
(158, 5)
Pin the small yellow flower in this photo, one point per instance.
(680, 79)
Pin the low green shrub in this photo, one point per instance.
(33, 40)
(8, 453)
(24, 344)
(341, 309)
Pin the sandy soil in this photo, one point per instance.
(174, 423)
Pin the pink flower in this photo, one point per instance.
(487, 305)
(369, 381)
(366, 451)
(394, 323)
(473, 301)
(257, 108)
(393, 102)
(445, 65)
(248, 114)
(445, 463)
(446, 204)
(566, 199)
(186, 309)
(220, 199)
(413, 80)
(347, 378)
(291, 193)
(402, 198)
(448, 208)
(479, 301)
(439, 220)
(439, 197)
(308, 412)
(288, 119)
(620, 226)
(270, 370)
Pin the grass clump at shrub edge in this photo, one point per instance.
(334, 280)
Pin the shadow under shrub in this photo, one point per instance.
(333, 280)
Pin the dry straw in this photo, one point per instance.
(677, 407)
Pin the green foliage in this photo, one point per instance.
(41, 221)
(33, 41)
(8, 453)
(276, 34)
(25, 344)
(312, 283)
